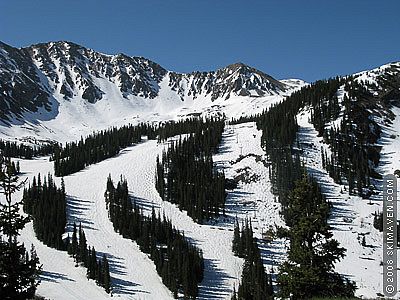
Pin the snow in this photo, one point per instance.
(391, 144)
(133, 273)
(351, 218)
(70, 119)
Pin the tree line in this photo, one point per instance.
(173, 128)
(98, 146)
(46, 205)
(180, 264)
(14, 149)
(255, 283)
(186, 175)
(354, 155)
(75, 156)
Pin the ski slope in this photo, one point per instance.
(240, 155)
(351, 218)
(133, 273)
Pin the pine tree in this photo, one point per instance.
(74, 242)
(312, 254)
(106, 275)
(180, 264)
(236, 239)
(19, 271)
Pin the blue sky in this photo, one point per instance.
(306, 39)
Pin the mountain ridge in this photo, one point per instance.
(57, 85)
(71, 70)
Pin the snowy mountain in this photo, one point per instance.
(375, 117)
(48, 86)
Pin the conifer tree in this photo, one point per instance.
(309, 270)
(180, 264)
(106, 274)
(19, 270)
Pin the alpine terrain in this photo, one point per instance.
(135, 182)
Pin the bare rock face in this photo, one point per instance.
(238, 79)
(64, 70)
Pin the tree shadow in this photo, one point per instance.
(119, 286)
(143, 203)
(213, 285)
(75, 213)
(53, 277)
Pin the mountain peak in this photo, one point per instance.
(237, 65)
(66, 70)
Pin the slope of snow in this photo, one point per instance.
(76, 117)
(133, 273)
(391, 144)
(351, 219)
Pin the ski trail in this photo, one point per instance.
(133, 274)
(351, 218)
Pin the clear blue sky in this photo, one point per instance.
(306, 39)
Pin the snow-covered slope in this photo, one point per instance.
(61, 91)
(133, 273)
(351, 219)
(352, 216)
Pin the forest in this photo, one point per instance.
(180, 264)
(75, 156)
(255, 283)
(46, 204)
(186, 174)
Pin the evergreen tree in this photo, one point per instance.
(46, 203)
(106, 275)
(14, 149)
(19, 270)
(180, 264)
(255, 283)
(186, 176)
(309, 270)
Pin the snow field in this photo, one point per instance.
(133, 273)
(351, 219)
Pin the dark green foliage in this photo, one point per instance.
(97, 269)
(46, 203)
(173, 128)
(179, 263)
(353, 155)
(378, 221)
(255, 282)
(245, 119)
(279, 124)
(99, 146)
(285, 169)
(75, 156)
(309, 270)
(19, 269)
(186, 175)
(13, 149)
